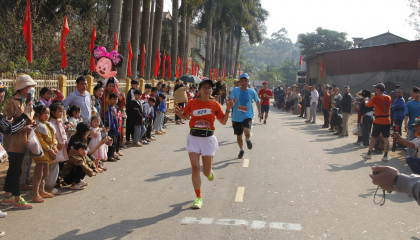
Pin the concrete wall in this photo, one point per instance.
(405, 78)
(382, 40)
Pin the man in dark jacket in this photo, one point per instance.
(346, 110)
(129, 131)
(137, 121)
(304, 92)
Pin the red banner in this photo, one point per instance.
(142, 60)
(169, 66)
(157, 62)
(27, 31)
(163, 65)
(63, 43)
(115, 42)
(130, 57)
(91, 46)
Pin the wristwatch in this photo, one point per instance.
(394, 183)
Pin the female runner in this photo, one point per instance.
(201, 140)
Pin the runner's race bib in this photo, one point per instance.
(202, 112)
(242, 108)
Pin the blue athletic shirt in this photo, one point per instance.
(412, 109)
(243, 107)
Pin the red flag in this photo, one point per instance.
(224, 72)
(180, 66)
(157, 62)
(169, 66)
(142, 60)
(186, 66)
(130, 57)
(27, 31)
(214, 74)
(177, 72)
(115, 41)
(91, 46)
(322, 68)
(300, 60)
(63, 43)
(163, 65)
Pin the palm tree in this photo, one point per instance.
(174, 41)
(125, 36)
(135, 34)
(157, 31)
(114, 22)
(145, 25)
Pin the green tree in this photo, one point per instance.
(323, 40)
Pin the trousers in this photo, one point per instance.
(12, 183)
(52, 175)
(139, 131)
(326, 117)
(346, 117)
(312, 117)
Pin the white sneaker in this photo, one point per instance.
(385, 159)
(2, 214)
(83, 183)
(366, 156)
(363, 146)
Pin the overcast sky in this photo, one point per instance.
(358, 18)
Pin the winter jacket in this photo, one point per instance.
(129, 98)
(112, 121)
(47, 139)
(398, 107)
(148, 111)
(136, 112)
(61, 136)
(87, 165)
(14, 109)
(346, 103)
(180, 95)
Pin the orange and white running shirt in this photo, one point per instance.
(203, 114)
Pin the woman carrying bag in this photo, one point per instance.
(15, 139)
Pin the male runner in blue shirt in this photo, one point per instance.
(243, 113)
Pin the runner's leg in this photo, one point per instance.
(247, 132)
(240, 141)
(207, 165)
(195, 166)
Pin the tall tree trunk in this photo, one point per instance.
(157, 32)
(114, 22)
(227, 60)
(150, 49)
(135, 35)
(145, 25)
(187, 41)
(238, 47)
(208, 48)
(182, 32)
(222, 49)
(174, 41)
(232, 41)
(217, 51)
(125, 37)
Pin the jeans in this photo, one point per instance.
(159, 121)
(303, 111)
(346, 117)
(297, 107)
(113, 147)
(313, 113)
(326, 117)
(139, 131)
(366, 129)
(181, 105)
(12, 183)
(414, 164)
(411, 136)
(308, 113)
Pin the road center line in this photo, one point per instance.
(246, 162)
(240, 194)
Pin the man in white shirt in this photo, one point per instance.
(314, 103)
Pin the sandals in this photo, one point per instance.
(55, 191)
(83, 183)
(46, 195)
(38, 199)
(120, 154)
(77, 187)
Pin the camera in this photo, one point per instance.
(366, 93)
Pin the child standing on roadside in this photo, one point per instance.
(46, 135)
(136, 112)
(56, 119)
(112, 123)
(149, 115)
(160, 113)
(74, 119)
(96, 137)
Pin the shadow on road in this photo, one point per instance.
(350, 147)
(124, 227)
(187, 171)
(397, 198)
(353, 166)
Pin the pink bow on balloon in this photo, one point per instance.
(101, 52)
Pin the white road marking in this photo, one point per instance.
(239, 222)
(246, 163)
(240, 194)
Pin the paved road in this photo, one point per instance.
(301, 183)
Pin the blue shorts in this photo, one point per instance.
(265, 108)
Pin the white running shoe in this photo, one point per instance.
(366, 156)
(384, 159)
(2, 214)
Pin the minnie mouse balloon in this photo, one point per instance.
(107, 62)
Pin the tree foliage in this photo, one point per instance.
(414, 18)
(323, 40)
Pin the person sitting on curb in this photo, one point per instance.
(413, 162)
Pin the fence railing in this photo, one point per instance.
(67, 83)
